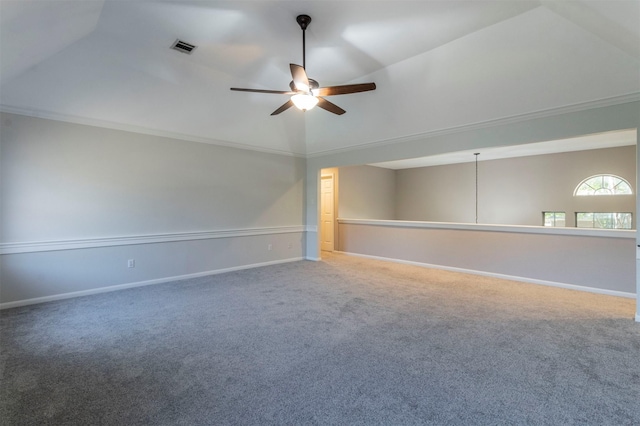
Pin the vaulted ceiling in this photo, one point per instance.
(437, 65)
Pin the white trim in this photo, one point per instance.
(516, 229)
(67, 118)
(314, 259)
(575, 191)
(599, 103)
(25, 302)
(501, 276)
(550, 112)
(40, 246)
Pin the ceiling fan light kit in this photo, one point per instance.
(306, 92)
(304, 102)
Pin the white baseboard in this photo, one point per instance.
(25, 302)
(503, 276)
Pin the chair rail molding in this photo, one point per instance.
(42, 246)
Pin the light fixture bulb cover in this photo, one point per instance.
(304, 102)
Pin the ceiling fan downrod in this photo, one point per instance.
(306, 92)
(303, 21)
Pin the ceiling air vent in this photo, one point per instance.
(183, 46)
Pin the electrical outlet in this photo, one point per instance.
(131, 263)
(269, 247)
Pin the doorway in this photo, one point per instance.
(327, 212)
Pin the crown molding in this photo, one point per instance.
(518, 118)
(577, 107)
(67, 118)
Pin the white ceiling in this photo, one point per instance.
(437, 64)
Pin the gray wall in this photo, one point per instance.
(367, 192)
(595, 262)
(543, 126)
(513, 191)
(63, 181)
(67, 182)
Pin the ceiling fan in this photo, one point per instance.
(305, 92)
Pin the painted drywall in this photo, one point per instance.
(438, 194)
(537, 127)
(542, 63)
(514, 191)
(367, 192)
(63, 181)
(50, 275)
(540, 126)
(591, 262)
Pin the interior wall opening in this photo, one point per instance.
(510, 186)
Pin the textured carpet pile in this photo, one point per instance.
(342, 341)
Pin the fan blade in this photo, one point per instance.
(300, 79)
(276, 92)
(284, 107)
(329, 106)
(345, 90)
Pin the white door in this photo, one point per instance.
(326, 212)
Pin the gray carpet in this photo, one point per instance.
(343, 341)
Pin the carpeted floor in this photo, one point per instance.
(342, 341)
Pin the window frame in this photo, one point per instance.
(555, 219)
(614, 221)
(595, 193)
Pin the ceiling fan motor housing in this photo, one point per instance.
(312, 85)
(306, 92)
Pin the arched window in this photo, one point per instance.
(603, 185)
